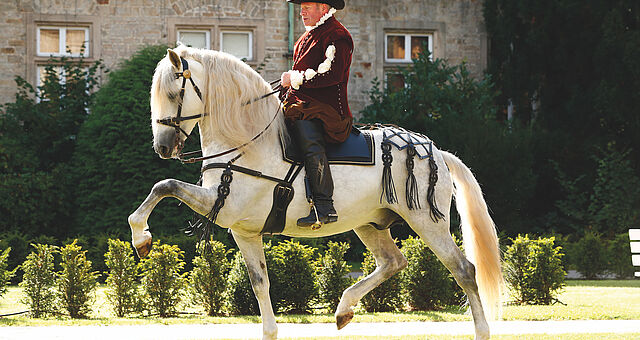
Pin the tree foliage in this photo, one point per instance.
(292, 276)
(5, 273)
(115, 166)
(428, 285)
(333, 273)
(208, 279)
(533, 270)
(122, 279)
(38, 280)
(38, 135)
(571, 69)
(76, 282)
(163, 280)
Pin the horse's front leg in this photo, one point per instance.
(253, 254)
(196, 197)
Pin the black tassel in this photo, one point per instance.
(436, 214)
(388, 187)
(413, 200)
(202, 227)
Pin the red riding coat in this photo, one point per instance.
(324, 95)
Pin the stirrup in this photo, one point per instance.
(314, 220)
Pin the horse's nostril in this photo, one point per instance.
(164, 150)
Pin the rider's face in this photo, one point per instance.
(311, 12)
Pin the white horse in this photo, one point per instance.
(227, 117)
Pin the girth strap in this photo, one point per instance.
(293, 172)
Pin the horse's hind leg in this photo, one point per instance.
(253, 254)
(196, 197)
(443, 246)
(389, 261)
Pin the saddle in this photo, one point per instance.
(356, 150)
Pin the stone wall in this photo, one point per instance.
(121, 27)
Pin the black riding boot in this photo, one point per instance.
(308, 135)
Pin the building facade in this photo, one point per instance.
(386, 33)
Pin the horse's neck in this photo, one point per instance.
(263, 154)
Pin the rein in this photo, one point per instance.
(175, 121)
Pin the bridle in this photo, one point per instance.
(175, 121)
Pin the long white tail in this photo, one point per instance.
(479, 235)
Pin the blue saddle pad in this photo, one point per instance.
(357, 150)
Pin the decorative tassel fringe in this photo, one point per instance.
(413, 200)
(388, 187)
(202, 227)
(436, 214)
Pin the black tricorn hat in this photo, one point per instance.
(337, 4)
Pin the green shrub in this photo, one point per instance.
(5, 273)
(292, 276)
(38, 280)
(387, 297)
(590, 255)
(76, 282)
(533, 270)
(620, 265)
(239, 293)
(123, 288)
(162, 280)
(428, 285)
(208, 278)
(333, 273)
(19, 244)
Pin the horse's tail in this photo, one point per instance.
(479, 235)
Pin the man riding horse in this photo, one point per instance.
(315, 99)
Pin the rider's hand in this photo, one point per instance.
(285, 79)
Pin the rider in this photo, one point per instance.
(315, 98)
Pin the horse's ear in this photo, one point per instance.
(175, 59)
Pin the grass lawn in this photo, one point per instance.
(594, 336)
(585, 300)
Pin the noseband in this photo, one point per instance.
(175, 121)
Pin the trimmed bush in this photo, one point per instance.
(162, 280)
(76, 282)
(292, 277)
(5, 273)
(38, 280)
(590, 254)
(533, 270)
(123, 288)
(207, 279)
(621, 266)
(427, 283)
(240, 298)
(333, 273)
(387, 297)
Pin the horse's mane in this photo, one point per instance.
(230, 83)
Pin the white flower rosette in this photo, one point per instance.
(298, 77)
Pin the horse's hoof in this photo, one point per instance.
(144, 249)
(344, 319)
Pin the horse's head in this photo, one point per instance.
(176, 102)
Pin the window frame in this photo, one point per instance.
(407, 45)
(93, 50)
(206, 31)
(62, 40)
(248, 32)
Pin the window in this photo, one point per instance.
(401, 48)
(195, 38)
(62, 41)
(237, 43)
